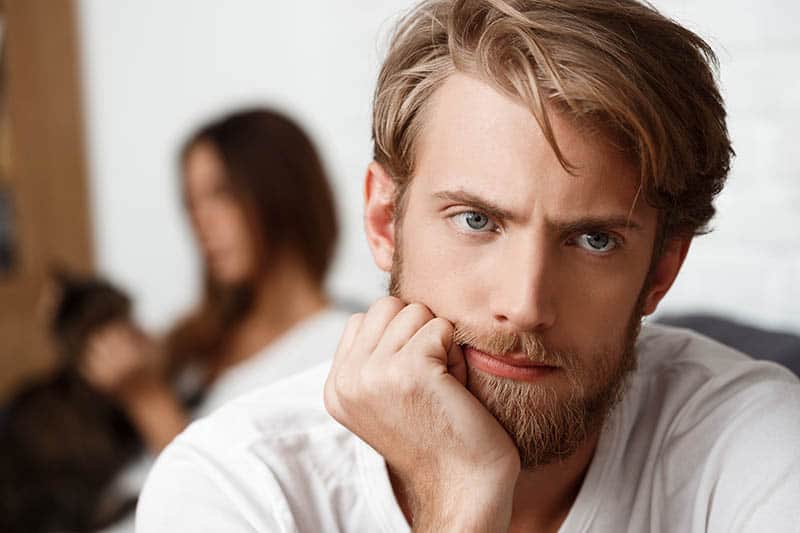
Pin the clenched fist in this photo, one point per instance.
(398, 382)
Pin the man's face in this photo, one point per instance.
(539, 270)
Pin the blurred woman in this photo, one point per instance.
(263, 216)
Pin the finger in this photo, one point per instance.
(330, 396)
(402, 328)
(374, 324)
(347, 339)
(432, 343)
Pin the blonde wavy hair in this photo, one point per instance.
(616, 67)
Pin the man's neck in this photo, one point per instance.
(543, 497)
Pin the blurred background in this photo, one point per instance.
(98, 95)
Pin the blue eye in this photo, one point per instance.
(475, 221)
(597, 242)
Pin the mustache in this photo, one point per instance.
(501, 342)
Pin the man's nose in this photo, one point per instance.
(523, 296)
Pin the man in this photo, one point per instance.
(540, 169)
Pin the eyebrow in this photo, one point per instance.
(587, 224)
(485, 206)
(583, 224)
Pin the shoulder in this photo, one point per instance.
(252, 462)
(687, 378)
(698, 365)
(308, 344)
(725, 430)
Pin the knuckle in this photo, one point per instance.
(440, 324)
(440, 328)
(330, 401)
(339, 386)
(354, 319)
(406, 384)
(387, 303)
(372, 383)
(420, 310)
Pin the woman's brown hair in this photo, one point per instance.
(275, 174)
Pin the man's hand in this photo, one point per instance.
(398, 382)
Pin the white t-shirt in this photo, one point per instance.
(306, 345)
(706, 439)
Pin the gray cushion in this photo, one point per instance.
(781, 347)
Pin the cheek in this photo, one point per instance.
(233, 238)
(595, 305)
(232, 223)
(440, 271)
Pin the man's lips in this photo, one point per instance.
(505, 366)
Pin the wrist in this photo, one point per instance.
(468, 512)
(475, 504)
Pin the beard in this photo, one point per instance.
(547, 422)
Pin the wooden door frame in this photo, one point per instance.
(46, 172)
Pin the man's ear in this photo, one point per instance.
(379, 210)
(665, 271)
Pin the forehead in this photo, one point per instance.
(473, 137)
(202, 166)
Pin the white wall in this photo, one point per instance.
(153, 70)
(749, 267)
